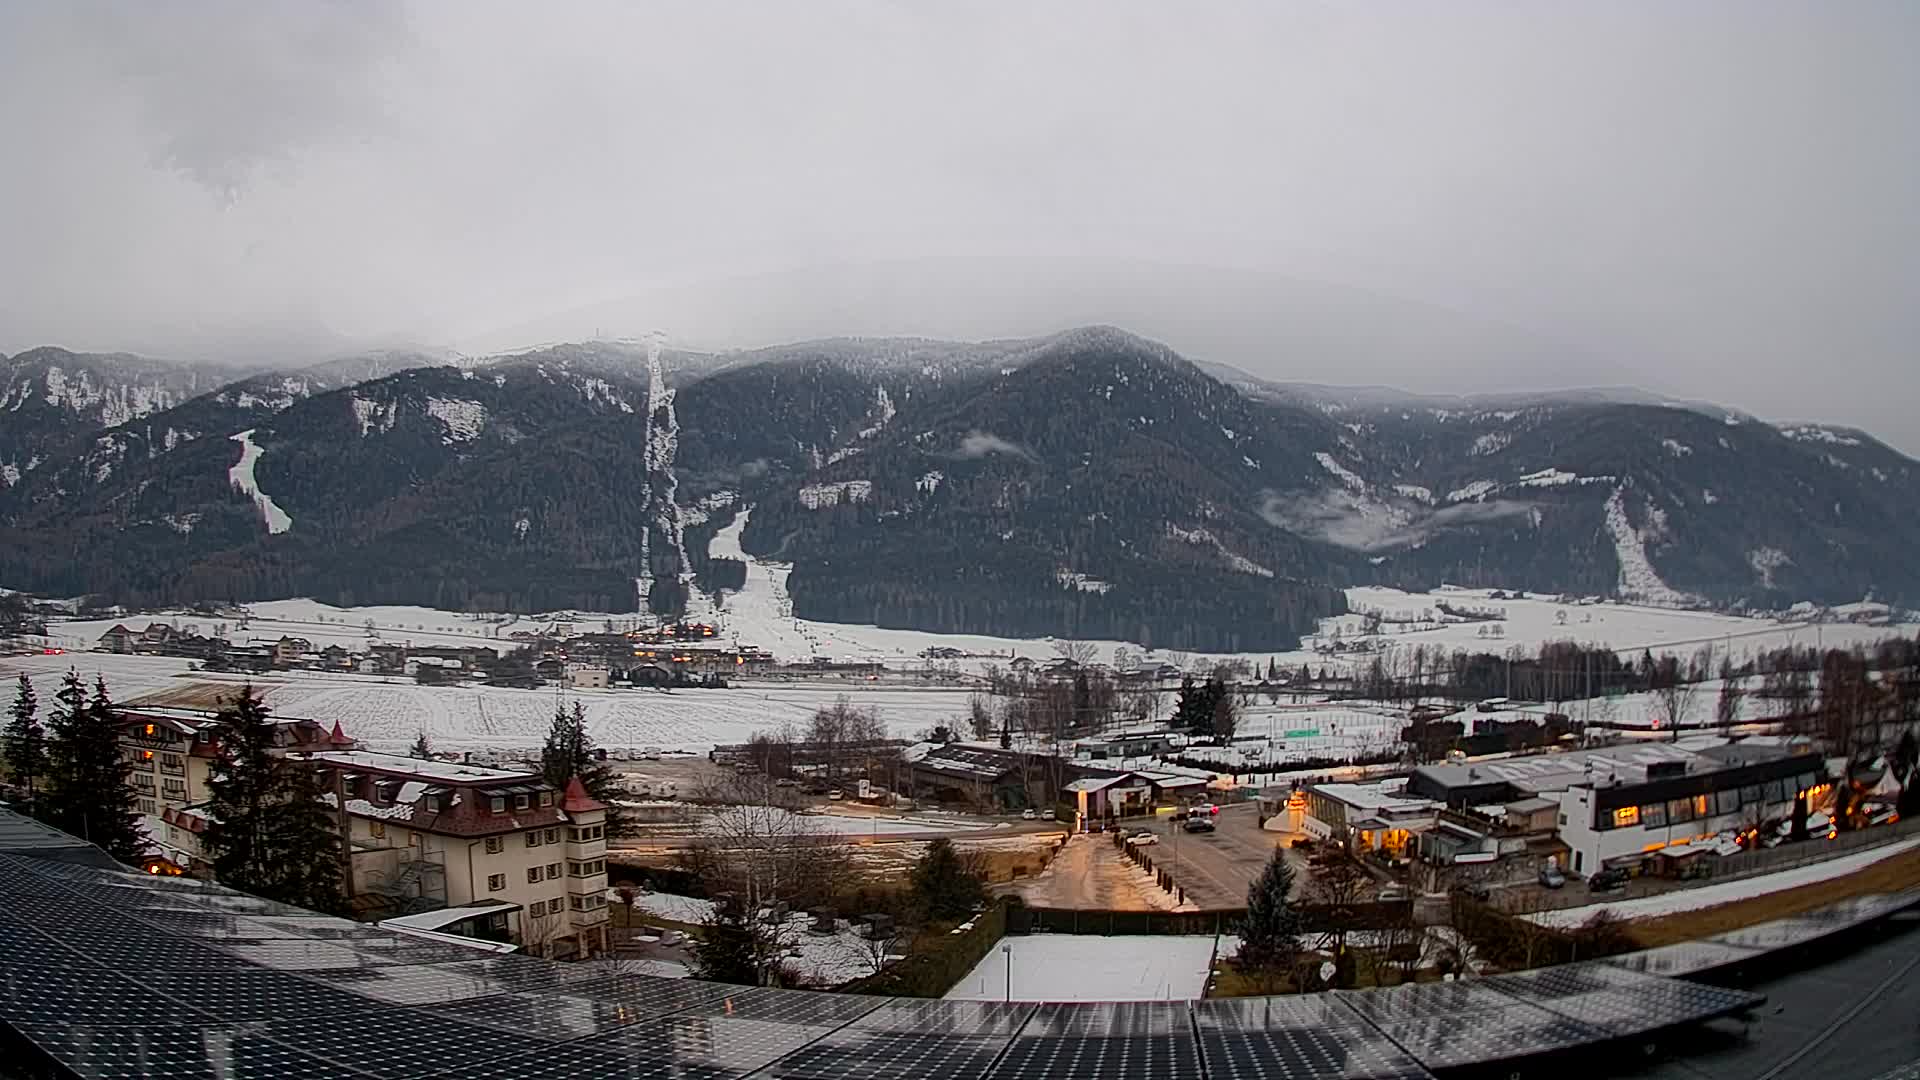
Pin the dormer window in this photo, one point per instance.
(520, 802)
(498, 804)
(433, 804)
(546, 798)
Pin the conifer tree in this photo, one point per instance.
(268, 832)
(1270, 934)
(26, 741)
(569, 752)
(88, 792)
(727, 950)
(421, 748)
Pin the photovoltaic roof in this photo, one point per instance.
(109, 973)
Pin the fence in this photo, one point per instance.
(1807, 852)
(1035, 920)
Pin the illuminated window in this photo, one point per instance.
(150, 729)
(1701, 806)
(1625, 816)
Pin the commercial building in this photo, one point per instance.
(1382, 818)
(1622, 804)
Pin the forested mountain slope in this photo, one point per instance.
(1087, 484)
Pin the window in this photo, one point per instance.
(495, 845)
(533, 838)
(533, 875)
(586, 869)
(377, 830)
(579, 903)
(498, 804)
(1679, 810)
(537, 908)
(1626, 816)
(1726, 802)
(146, 806)
(1654, 815)
(146, 757)
(1753, 795)
(175, 789)
(433, 804)
(520, 802)
(553, 871)
(1702, 806)
(1777, 791)
(546, 798)
(383, 790)
(496, 882)
(553, 836)
(581, 835)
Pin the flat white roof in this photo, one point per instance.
(1386, 795)
(426, 770)
(435, 920)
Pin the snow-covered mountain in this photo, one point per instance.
(1091, 483)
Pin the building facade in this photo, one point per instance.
(431, 835)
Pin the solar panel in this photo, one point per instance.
(1309, 1037)
(1619, 1001)
(185, 1051)
(1447, 1024)
(1115, 1039)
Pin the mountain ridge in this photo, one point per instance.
(1086, 483)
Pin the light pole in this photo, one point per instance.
(1007, 951)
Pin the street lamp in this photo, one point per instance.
(1007, 951)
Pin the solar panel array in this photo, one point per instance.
(1749, 943)
(115, 974)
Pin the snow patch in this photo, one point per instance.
(183, 524)
(1765, 560)
(1414, 492)
(241, 476)
(1676, 447)
(1473, 491)
(929, 482)
(1551, 477)
(1090, 967)
(1491, 443)
(1707, 496)
(464, 420)
(371, 414)
(1082, 582)
(9, 474)
(1345, 475)
(1238, 563)
(1815, 433)
(1638, 580)
(883, 407)
(822, 496)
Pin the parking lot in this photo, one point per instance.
(1215, 868)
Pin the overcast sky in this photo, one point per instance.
(1714, 200)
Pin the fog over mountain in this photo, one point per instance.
(1712, 201)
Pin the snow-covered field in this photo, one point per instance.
(824, 959)
(1711, 895)
(387, 714)
(1077, 967)
(1534, 621)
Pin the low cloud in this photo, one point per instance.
(979, 444)
(1363, 523)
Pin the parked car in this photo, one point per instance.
(1029, 814)
(836, 795)
(1391, 891)
(1303, 842)
(1143, 839)
(1551, 877)
(1607, 880)
(786, 781)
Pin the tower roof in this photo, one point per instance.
(575, 799)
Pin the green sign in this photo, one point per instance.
(1303, 733)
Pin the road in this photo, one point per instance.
(1090, 875)
(1215, 869)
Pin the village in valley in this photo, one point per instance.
(1523, 776)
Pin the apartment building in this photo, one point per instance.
(433, 836)
(171, 752)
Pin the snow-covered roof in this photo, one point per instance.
(1385, 796)
(435, 920)
(400, 764)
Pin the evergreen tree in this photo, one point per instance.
(726, 951)
(569, 753)
(26, 741)
(1270, 934)
(421, 748)
(88, 790)
(944, 885)
(268, 832)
